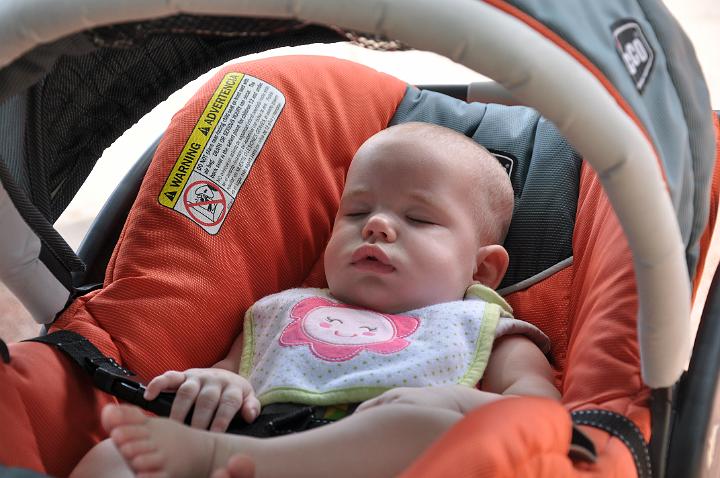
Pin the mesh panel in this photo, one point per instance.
(12, 125)
(132, 34)
(86, 101)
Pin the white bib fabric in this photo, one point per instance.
(303, 346)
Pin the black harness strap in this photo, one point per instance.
(112, 378)
(106, 373)
(83, 352)
(622, 428)
(582, 447)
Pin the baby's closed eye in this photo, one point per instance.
(420, 220)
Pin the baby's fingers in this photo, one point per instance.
(184, 399)
(250, 408)
(230, 402)
(170, 380)
(367, 404)
(206, 405)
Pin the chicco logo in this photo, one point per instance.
(634, 50)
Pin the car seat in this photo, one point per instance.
(586, 301)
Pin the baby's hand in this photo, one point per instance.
(458, 398)
(436, 397)
(213, 391)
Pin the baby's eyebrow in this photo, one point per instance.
(425, 199)
(355, 193)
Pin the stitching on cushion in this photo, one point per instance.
(615, 432)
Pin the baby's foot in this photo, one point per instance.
(238, 466)
(159, 447)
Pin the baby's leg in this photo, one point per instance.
(238, 466)
(159, 446)
(380, 441)
(377, 442)
(102, 460)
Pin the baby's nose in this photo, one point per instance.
(379, 228)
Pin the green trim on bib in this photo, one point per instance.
(491, 317)
(297, 395)
(248, 351)
(483, 292)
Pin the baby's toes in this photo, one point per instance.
(153, 474)
(128, 434)
(152, 462)
(135, 448)
(114, 416)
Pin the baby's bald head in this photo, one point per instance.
(476, 170)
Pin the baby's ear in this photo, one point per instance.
(492, 262)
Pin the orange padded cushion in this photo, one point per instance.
(589, 310)
(515, 437)
(175, 291)
(49, 410)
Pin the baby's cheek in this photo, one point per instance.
(324, 325)
(369, 334)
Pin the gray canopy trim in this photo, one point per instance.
(674, 105)
(22, 270)
(535, 70)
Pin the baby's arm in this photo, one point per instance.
(217, 393)
(516, 367)
(232, 361)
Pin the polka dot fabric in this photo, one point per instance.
(303, 346)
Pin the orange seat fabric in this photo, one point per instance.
(171, 289)
(174, 296)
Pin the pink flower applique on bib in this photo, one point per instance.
(338, 332)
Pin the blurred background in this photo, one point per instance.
(699, 18)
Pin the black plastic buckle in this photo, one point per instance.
(130, 391)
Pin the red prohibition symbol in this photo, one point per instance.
(205, 203)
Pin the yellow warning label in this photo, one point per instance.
(169, 195)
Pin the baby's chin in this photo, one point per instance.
(383, 303)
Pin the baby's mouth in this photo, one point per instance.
(372, 259)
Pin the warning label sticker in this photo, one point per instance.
(222, 149)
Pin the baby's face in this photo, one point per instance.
(404, 236)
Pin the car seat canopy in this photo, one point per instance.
(618, 81)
